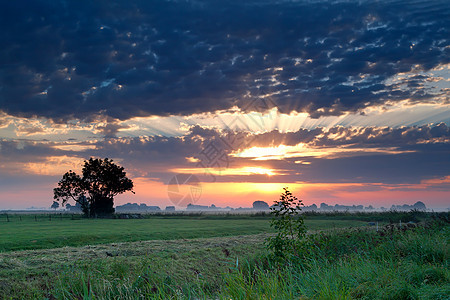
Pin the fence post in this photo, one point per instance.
(7, 218)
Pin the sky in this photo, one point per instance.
(228, 102)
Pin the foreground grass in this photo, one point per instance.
(122, 269)
(391, 264)
(337, 264)
(26, 233)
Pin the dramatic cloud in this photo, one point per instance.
(343, 99)
(350, 155)
(122, 59)
(358, 136)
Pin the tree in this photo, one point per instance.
(289, 225)
(55, 205)
(101, 181)
(261, 205)
(83, 204)
(419, 205)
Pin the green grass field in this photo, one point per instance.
(26, 233)
(221, 257)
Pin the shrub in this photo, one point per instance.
(288, 223)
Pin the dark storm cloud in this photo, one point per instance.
(422, 153)
(388, 169)
(410, 155)
(356, 137)
(20, 151)
(65, 59)
(418, 153)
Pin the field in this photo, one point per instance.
(52, 231)
(221, 257)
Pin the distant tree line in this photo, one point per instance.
(419, 205)
(257, 205)
(136, 207)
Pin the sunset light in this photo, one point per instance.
(230, 171)
(228, 97)
(200, 149)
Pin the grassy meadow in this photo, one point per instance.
(223, 257)
(54, 230)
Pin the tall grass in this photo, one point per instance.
(394, 263)
(391, 264)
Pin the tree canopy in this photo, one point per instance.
(55, 205)
(95, 190)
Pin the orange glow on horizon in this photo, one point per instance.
(243, 194)
(229, 171)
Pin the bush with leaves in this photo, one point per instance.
(289, 226)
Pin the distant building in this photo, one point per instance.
(170, 208)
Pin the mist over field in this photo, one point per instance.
(206, 149)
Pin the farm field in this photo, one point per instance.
(225, 258)
(45, 233)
